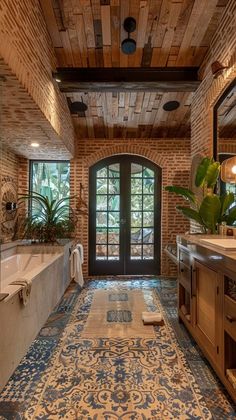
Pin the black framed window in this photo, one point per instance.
(50, 179)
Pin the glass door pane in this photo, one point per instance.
(108, 213)
(142, 213)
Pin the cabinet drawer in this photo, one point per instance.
(184, 257)
(230, 316)
(185, 276)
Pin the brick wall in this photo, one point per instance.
(26, 48)
(9, 164)
(170, 154)
(223, 49)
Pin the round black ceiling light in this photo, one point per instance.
(171, 105)
(77, 107)
(128, 45)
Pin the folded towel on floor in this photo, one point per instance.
(24, 292)
(152, 318)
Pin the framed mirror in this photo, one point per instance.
(224, 131)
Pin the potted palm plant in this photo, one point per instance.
(206, 207)
(48, 219)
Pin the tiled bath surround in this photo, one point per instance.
(20, 324)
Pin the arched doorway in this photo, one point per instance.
(124, 216)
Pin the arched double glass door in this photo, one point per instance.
(124, 216)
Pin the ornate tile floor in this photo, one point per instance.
(65, 376)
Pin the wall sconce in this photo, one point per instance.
(217, 69)
(228, 170)
(10, 206)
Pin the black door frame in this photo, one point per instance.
(138, 267)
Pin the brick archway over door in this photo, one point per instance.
(172, 156)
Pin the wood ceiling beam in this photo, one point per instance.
(117, 79)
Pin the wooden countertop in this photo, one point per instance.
(209, 254)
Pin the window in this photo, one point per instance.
(50, 179)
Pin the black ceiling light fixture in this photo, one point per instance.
(171, 106)
(128, 45)
(77, 107)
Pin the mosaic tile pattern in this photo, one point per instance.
(119, 316)
(118, 297)
(66, 377)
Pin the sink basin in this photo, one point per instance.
(223, 243)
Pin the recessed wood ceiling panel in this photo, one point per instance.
(88, 33)
(133, 114)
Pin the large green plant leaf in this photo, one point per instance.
(231, 217)
(212, 174)
(202, 171)
(226, 200)
(190, 214)
(210, 211)
(183, 192)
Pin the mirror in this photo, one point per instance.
(224, 133)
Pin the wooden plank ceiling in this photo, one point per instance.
(88, 33)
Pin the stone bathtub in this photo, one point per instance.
(47, 267)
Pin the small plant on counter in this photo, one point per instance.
(48, 219)
(207, 208)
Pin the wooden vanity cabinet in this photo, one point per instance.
(207, 306)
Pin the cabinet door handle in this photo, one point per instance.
(230, 318)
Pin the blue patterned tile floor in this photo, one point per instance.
(64, 376)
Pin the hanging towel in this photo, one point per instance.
(81, 251)
(76, 267)
(24, 293)
(152, 317)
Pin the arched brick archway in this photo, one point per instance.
(171, 156)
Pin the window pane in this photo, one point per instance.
(114, 186)
(148, 173)
(101, 186)
(148, 202)
(101, 219)
(136, 236)
(136, 252)
(148, 218)
(148, 235)
(114, 203)
(101, 252)
(102, 173)
(136, 170)
(136, 202)
(50, 179)
(113, 252)
(113, 236)
(136, 219)
(101, 236)
(101, 202)
(136, 186)
(148, 186)
(114, 170)
(114, 219)
(148, 252)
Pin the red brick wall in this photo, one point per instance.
(170, 154)
(9, 164)
(26, 48)
(223, 49)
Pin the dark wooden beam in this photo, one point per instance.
(115, 79)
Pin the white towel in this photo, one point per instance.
(24, 293)
(76, 267)
(81, 251)
(150, 317)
